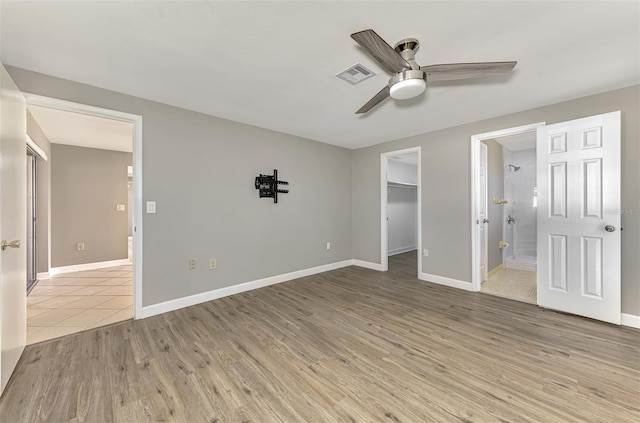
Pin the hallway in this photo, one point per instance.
(72, 302)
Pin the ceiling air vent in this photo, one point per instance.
(355, 74)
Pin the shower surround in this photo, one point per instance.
(520, 211)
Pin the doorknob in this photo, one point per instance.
(485, 220)
(12, 244)
(609, 228)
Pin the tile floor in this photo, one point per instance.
(73, 302)
(516, 284)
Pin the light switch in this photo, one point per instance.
(151, 206)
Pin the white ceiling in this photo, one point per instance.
(273, 64)
(62, 127)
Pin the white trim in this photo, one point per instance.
(475, 175)
(179, 303)
(384, 236)
(42, 276)
(630, 320)
(368, 265)
(136, 121)
(441, 280)
(384, 232)
(35, 147)
(402, 250)
(87, 266)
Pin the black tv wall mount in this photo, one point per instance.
(267, 186)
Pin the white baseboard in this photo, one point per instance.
(401, 250)
(441, 280)
(630, 320)
(367, 264)
(42, 276)
(178, 303)
(87, 266)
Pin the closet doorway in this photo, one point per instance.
(400, 206)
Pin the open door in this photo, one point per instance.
(579, 217)
(13, 227)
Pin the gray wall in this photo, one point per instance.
(200, 169)
(495, 188)
(446, 186)
(43, 188)
(86, 186)
(402, 207)
(402, 172)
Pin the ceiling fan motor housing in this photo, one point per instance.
(411, 82)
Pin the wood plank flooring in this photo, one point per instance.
(350, 345)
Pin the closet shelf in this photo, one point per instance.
(401, 184)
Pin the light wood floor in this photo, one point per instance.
(350, 345)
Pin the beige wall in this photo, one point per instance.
(446, 186)
(86, 186)
(43, 188)
(200, 170)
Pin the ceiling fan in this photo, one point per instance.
(409, 79)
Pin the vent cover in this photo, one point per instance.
(355, 74)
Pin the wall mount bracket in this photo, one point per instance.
(267, 186)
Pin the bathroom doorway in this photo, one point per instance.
(507, 224)
(514, 273)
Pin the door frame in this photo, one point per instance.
(475, 188)
(384, 229)
(136, 121)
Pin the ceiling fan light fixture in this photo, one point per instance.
(407, 84)
(407, 89)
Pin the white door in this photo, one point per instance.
(483, 217)
(579, 217)
(13, 227)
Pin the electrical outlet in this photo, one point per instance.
(212, 264)
(328, 245)
(192, 264)
(120, 207)
(426, 252)
(80, 246)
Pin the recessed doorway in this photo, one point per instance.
(92, 278)
(400, 210)
(505, 213)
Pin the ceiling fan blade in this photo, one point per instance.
(377, 99)
(451, 71)
(380, 50)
